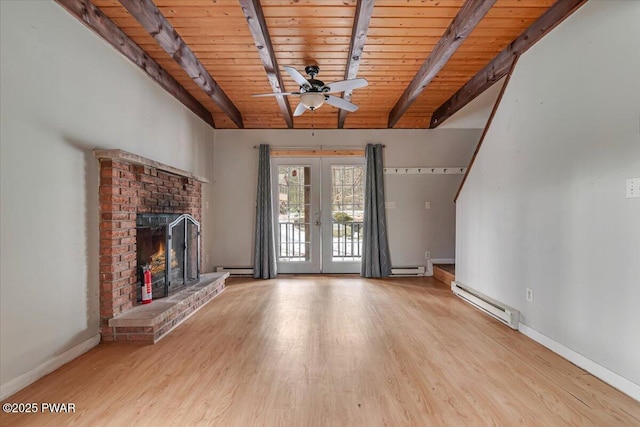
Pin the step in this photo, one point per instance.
(446, 273)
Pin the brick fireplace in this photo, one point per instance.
(132, 185)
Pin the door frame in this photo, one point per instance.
(321, 243)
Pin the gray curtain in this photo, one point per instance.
(376, 260)
(264, 264)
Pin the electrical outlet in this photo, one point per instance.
(427, 205)
(427, 255)
(390, 205)
(529, 295)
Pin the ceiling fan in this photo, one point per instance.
(313, 92)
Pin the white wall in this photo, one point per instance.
(64, 93)
(544, 206)
(412, 229)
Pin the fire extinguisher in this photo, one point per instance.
(147, 294)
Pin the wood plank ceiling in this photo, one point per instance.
(400, 37)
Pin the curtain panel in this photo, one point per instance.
(376, 260)
(265, 263)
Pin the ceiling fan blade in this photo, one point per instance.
(258, 95)
(295, 75)
(340, 103)
(300, 109)
(345, 85)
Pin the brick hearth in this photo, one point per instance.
(150, 322)
(130, 184)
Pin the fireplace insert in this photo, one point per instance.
(169, 245)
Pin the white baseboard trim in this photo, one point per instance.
(595, 369)
(47, 367)
(443, 260)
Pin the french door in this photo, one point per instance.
(318, 214)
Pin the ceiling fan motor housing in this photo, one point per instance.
(316, 86)
(312, 70)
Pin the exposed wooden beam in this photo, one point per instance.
(252, 10)
(364, 9)
(156, 24)
(500, 65)
(92, 17)
(512, 66)
(469, 15)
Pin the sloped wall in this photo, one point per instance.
(544, 206)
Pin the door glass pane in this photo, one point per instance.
(294, 218)
(347, 212)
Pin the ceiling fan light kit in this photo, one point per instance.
(312, 100)
(313, 92)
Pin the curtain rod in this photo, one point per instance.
(320, 147)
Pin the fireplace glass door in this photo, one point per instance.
(184, 240)
(169, 246)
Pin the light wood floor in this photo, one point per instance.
(340, 351)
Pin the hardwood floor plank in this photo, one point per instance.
(329, 350)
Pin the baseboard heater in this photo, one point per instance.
(418, 270)
(505, 314)
(236, 271)
(414, 270)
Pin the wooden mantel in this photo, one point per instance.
(125, 156)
